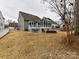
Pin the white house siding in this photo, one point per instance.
(26, 25)
(21, 22)
(39, 27)
(1, 21)
(1, 24)
(32, 25)
(54, 26)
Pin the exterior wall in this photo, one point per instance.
(1, 21)
(26, 25)
(20, 22)
(54, 26)
(31, 25)
(38, 27)
(1, 24)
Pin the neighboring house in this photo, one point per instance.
(1, 21)
(13, 24)
(33, 23)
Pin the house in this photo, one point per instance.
(13, 24)
(33, 23)
(53, 23)
(1, 21)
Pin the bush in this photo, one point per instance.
(26, 29)
(51, 32)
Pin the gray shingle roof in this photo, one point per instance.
(28, 16)
(53, 22)
(50, 20)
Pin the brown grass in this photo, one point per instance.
(25, 45)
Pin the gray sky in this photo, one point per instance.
(10, 8)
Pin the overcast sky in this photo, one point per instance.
(10, 8)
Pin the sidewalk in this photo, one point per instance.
(3, 32)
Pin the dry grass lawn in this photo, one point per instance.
(25, 45)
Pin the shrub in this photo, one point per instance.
(51, 32)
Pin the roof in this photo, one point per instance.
(50, 20)
(53, 22)
(28, 16)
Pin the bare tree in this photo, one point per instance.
(61, 7)
(76, 17)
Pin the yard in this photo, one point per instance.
(26, 45)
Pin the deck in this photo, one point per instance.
(3, 32)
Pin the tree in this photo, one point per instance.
(76, 17)
(61, 7)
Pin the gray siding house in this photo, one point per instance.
(1, 21)
(33, 23)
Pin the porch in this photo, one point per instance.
(39, 29)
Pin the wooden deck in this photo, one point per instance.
(3, 32)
